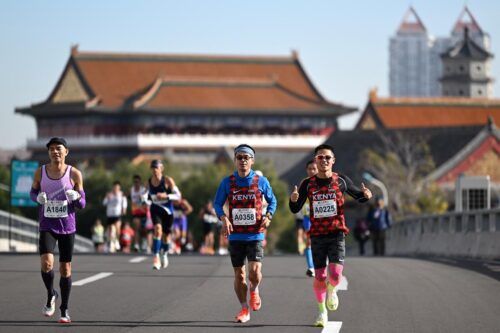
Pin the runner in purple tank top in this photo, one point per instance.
(58, 188)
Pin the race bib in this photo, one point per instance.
(56, 209)
(325, 208)
(158, 201)
(244, 216)
(209, 218)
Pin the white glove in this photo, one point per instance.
(72, 195)
(41, 198)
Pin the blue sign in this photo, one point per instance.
(21, 175)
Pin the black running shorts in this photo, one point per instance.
(208, 228)
(299, 224)
(160, 215)
(113, 219)
(65, 243)
(331, 246)
(241, 250)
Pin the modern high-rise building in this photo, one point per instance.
(409, 58)
(415, 55)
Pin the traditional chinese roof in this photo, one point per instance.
(427, 112)
(466, 49)
(198, 83)
(481, 155)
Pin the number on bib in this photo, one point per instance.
(325, 208)
(244, 216)
(56, 209)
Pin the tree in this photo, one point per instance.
(401, 163)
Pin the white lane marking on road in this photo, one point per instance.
(332, 327)
(137, 259)
(343, 283)
(92, 278)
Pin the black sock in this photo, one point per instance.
(48, 280)
(65, 284)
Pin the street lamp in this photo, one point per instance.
(369, 178)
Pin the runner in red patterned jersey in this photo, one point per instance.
(325, 192)
(245, 224)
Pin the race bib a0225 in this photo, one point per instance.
(324, 208)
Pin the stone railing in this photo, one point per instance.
(467, 234)
(24, 235)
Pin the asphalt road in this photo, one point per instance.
(195, 294)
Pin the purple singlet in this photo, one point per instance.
(57, 215)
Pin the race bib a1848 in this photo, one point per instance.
(244, 216)
(325, 208)
(56, 209)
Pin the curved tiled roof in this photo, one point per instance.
(429, 112)
(467, 49)
(116, 77)
(235, 94)
(162, 82)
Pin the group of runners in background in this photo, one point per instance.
(133, 230)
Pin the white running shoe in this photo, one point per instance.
(156, 262)
(65, 318)
(332, 300)
(111, 247)
(48, 311)
(321, 319)
(117, 245)
(164, 260)
(310, 272)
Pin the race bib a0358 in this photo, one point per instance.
(244, 216)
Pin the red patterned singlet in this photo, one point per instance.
(326, 205)
(245, 207)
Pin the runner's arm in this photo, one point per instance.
(35, 187)
(351, 189)
(124, 204)
(189, 208)
(106, 199)
(269, 196)
(176, 193)
(76, 176)
(220, 197)
(297, 206)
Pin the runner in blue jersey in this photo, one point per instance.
(58, 188)
(245, 224)
(162, 194)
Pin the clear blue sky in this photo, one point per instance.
(343, 45)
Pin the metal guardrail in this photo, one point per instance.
(469, 233)
(25, 230)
